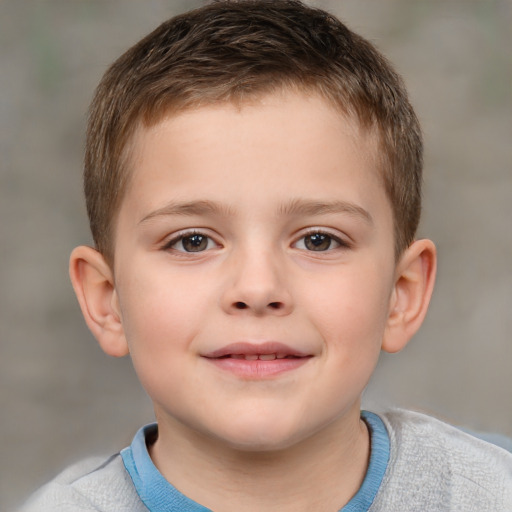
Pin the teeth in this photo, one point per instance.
(255, 357)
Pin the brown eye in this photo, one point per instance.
(194, 243)
(318, 242)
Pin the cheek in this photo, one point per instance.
(158, 315)
(158, 334)
(352, 309)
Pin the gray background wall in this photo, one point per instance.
(61, 398)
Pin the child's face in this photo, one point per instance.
(259, 232)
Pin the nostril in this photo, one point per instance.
(240, 305)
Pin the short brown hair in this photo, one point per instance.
(234, 50)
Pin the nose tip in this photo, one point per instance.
(256, 285)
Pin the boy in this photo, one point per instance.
(252, 178)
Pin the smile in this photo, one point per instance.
(261, 357)
(257, 361)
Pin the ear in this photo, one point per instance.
(93, 282)
(414, 282)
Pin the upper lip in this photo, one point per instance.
(248, 349)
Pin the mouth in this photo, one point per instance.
(257, 360)
(261, 357)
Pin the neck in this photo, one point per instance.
(227, 479)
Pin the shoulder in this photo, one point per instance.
(95, 484)
(439, 467)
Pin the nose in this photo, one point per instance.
(256, 285)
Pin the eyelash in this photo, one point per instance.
(330, 237)
(169, 245)
(341, 244)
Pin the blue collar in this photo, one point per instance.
(159, 495)
(379, 458)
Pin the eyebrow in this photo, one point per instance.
(308, 207)
(296, 207)
(189, 208)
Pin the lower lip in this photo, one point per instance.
(258, 369)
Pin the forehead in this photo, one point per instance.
(306, 116)
(286, 137)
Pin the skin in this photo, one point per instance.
(255, 187)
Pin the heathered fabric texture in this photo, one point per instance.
(95, 484)
(433, 467)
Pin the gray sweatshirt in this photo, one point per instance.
(432, 467)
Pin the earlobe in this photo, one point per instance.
(93, 282)
(414, 283)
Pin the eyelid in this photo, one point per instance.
(180, 235)
(343, 241)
